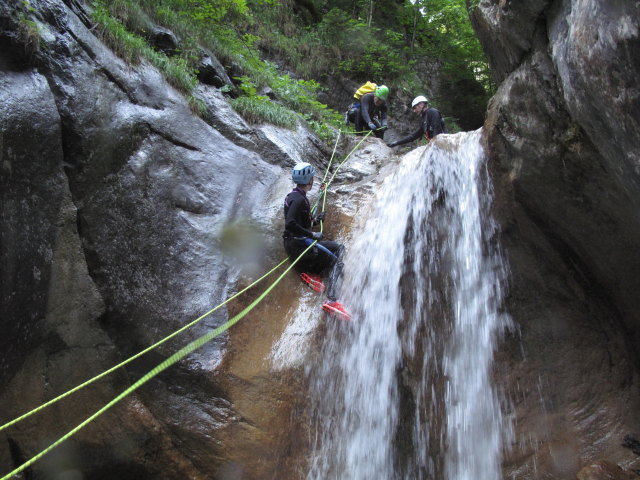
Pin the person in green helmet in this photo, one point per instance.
(372, 114)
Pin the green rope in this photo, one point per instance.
(164, 340)
(333, 154)
(354, 132)
(183, 351)
(137, 355)
(326, 173)
(323, 193)
(199, 342)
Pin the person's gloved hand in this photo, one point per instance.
(317, 235)
(372, 126)
(319, 217)
(392, 144)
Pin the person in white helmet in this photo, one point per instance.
(324, 257)
(432, 122)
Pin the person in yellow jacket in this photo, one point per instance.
(371, 114)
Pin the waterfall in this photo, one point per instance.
(404, 389)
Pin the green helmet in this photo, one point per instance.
(382, 92)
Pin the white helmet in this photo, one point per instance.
(419, 99)
(303, 173)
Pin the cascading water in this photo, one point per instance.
(404, 390)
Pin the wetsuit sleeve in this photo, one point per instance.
(414, 136)
(365, 103)
(294, 221)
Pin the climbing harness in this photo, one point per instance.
(308, 241)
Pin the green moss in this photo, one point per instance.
(28, 30)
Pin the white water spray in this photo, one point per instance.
(404, 390)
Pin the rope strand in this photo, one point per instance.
(191, 347)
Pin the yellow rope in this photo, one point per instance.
(137, 355)
(199, 342)
(176, 356)
(325, 187)
(167, 338)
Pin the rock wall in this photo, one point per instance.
(562, 134)
(117, 200)
(124, 217)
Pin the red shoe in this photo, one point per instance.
(314, 281)
(336, 308)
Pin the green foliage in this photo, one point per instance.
(325, 37)
(28, 34)
(133, 48)
(295, 95)
(338, 28)
(198, 106)
(342, 42)
(360, 51)
(258, 108)
(247, 86)
(377, 61)
(300, 95)
(472, 4)
(28, 7)
(213, 11)
(326, 131)
(440, 30)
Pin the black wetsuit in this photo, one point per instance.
(371, 113)
(432, 125)
(297, 228)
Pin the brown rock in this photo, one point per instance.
(603, 470)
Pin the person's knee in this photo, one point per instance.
(334, 247)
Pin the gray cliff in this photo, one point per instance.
(124, 216)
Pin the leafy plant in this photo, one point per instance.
(359, 39)
(247, 86)
(133, 48)
(259, 108)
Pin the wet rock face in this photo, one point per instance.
(605, 471)
(211, 72)
(114, 200)
(562, 134)
(31, 130)
(506, 29)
